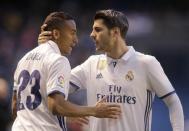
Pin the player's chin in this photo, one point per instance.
(99, 49)
(69, 51)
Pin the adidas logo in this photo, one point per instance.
(98, 76)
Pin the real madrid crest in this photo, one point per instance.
(129, 76)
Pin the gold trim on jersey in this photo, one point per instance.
(101, 64)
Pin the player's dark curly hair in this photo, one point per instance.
(113, 18)
(55, 20)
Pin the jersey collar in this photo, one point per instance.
(54, 46)
(128, 54)
(125, 57)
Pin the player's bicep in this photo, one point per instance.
(55, 101)
(80, 75)
(58, 77)
(159, 82)
(78, 78)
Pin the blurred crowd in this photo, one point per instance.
(162, 32)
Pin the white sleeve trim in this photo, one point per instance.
(56, 91)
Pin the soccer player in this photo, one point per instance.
(123, 76)
(41, 82)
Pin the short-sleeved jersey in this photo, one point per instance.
(41, 72)
(132, 81)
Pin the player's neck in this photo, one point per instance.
(118, 51)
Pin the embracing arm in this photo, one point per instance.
(175, 112)
(59, 106)
(44, 36)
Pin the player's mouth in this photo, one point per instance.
(73, 45)
(96, 42)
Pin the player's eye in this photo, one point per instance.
(98, 29)
(73, 33)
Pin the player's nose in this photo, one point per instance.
(92, 35)
(75, 40)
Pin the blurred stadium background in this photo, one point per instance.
(158, 27)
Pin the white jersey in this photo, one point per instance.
(131, 81)
(40, 72)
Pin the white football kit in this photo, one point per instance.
(40, 72)
(131, 81)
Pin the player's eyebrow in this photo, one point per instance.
(74, 30)
(97, 28)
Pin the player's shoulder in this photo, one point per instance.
(95, 58)
(51, 56)
(145, 58)
(91, 61)
(56, 58)
(41, 50)
(56, 62)
(22, 60)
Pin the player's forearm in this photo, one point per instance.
(72, 110)
(175, 112)
(58, 106)
(176, 116)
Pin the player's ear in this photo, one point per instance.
(115, 31)
(56, 34)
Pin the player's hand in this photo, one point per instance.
(78, 120)
(45, 35)
(107, 110)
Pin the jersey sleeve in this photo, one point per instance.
(158, 79)
(58, 76)
(79, 76)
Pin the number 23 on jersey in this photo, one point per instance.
(32, 84)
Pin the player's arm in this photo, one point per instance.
(57, 85)
(14, 99)
(175, 112)
(44, 36)
(76, 83)
(79, 76)
(78, 120)
(59, 106)
(165, 91)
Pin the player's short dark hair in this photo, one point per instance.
(56, 20)
(113, 18)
